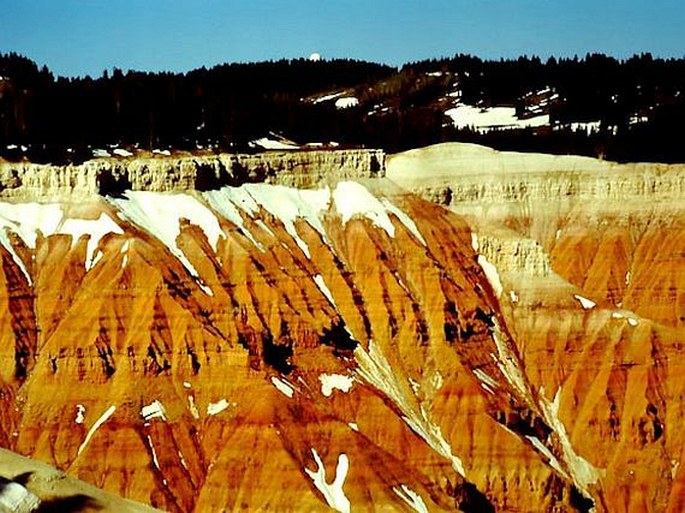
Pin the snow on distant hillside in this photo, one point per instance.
(347, 102)
(494, 118)
(588, 127)
(327, 97)
(273, 142)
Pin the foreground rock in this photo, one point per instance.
(36, 487)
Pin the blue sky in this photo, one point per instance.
(76, 37)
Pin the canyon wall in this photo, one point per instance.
(351, 345)
(181, 173)
(589, 259)
(262, 347)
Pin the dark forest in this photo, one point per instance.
(637, 103)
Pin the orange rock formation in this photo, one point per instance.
(354, 347)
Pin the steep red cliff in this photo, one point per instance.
(590, 258)
(353, 346)
(268, 348)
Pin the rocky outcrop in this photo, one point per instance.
(513, 254)
(478, 180)
(28, 486)
(268, 348)
(598, 329)
(602, 226)
(201, 172)
(353, 346)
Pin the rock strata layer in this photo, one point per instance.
(269, 348)
(589, 260)
(201, 172)
(350, 345)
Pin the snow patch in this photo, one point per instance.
(227, 201)
(154, 410)
(26, 219)
(411, 498)
(495, 118)
(95, 229)
(327, 97)
(491, 274)
(266, 143)
(553, 461)
(415, 385)
(346, 103)
(80, 411)
(283, 387)
(98, 256)
(103, 418)
(124, 250)
(407, 221)
(487, 388)
(353, 199)
(583, 472)
(585, 302)
(474, 242)
(184, 464)
(318, 279)
(333, 493)
(193, 407)
(217, 407)
(160, 214)
(155, 461)
(330, 382)
(485, 378)
(376, 370)
(436, 381)
(119, 152)
(589, 127)
(287, 204)
(507, 362)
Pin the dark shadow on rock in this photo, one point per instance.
(471, 500)
(23, 478)
(72, 504)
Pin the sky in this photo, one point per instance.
(79, 37)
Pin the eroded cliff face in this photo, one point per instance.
(187, 172)
(350, 345)
(589, 261)
(261, 347)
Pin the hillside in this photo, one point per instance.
(589, 257)
(350, 342)
(626, 110)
